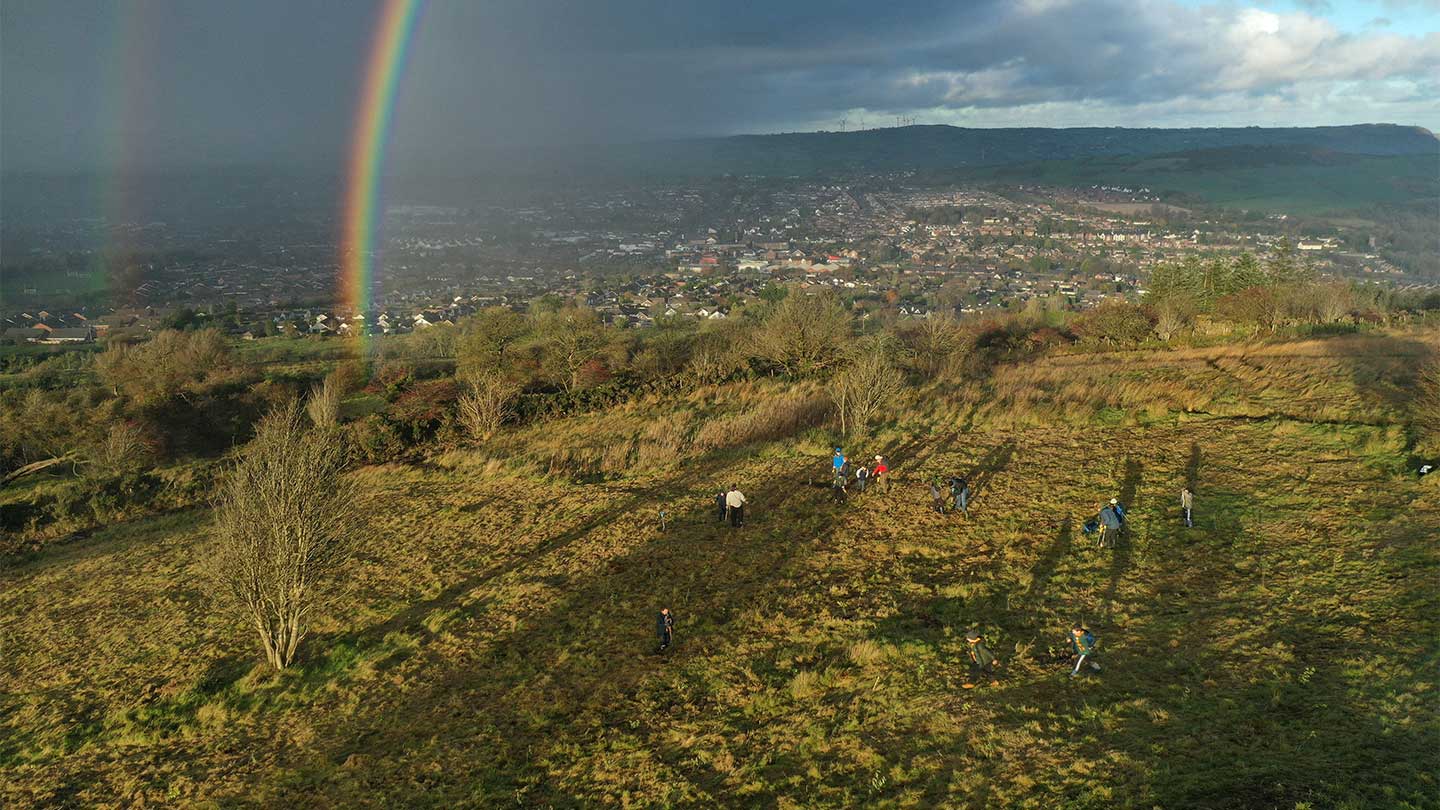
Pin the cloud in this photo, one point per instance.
(280, 77)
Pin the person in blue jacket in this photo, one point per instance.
(837, 462)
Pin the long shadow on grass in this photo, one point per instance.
(994, 462)
(581, 666)
(1122, 553)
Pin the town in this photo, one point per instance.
(900, 244)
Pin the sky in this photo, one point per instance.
(140, 85)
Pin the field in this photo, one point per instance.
(495, 644)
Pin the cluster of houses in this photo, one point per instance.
(51, 328)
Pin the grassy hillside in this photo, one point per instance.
(495, 645)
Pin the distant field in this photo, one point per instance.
(495, 646)
(1131, 209)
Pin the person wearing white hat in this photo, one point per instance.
(881, 474)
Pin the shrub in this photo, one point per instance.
(485, 403)
(1114, 323)
(286, 521)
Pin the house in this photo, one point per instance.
(81, 334)
(24, 333)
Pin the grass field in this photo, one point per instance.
(495, 644)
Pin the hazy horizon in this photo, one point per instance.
(150, 86)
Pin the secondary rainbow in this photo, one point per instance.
(360, 242)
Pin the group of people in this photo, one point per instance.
(730, 505)
(982, 661)
(1110, 521)
(958, 499)
(842, 470)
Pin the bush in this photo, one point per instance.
(375, 441)
(1115, 323)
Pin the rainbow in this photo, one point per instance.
(362, 204)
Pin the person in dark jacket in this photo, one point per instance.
(862, 477)
(982, 661)
(1082, 645)
(837, 486)
(720, 505)
(960, 495)
(664, 628)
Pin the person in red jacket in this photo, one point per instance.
(880, 474)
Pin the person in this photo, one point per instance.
(735, 505)
(837, 486)
(1187, 501)
(862, 477)
(1119, 509)
(982, 661)
(1109, 526)
(720, 504)
(1082, 644)
(960, 495)
(881, 474)
(936, 499)
(837, 462)
(665, 628)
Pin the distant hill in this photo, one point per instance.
(945, 147)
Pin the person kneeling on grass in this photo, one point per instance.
(664, 628)
(1082, 644)
(982, 661)
(937, 500)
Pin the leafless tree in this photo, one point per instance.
(865, 387)
(936, 344)
(486, 402)
(323, 407)
(286, 523)
(122, 449)
(803, 334)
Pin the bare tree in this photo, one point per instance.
(122, 449)
(1333, 301)
(323, 407)
(936, 344)
(863, 389)
(803, 334)
(286, 523)
(486, 402)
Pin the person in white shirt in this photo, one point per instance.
(735, 505)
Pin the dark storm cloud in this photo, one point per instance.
(276, 81)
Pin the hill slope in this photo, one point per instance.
(945, 147)
(495, 647)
